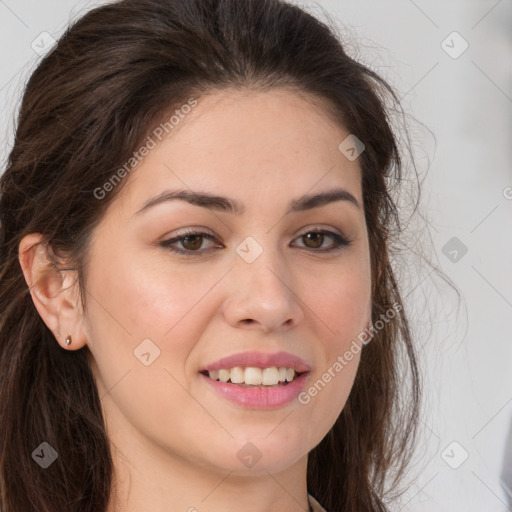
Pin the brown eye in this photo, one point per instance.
(315, 238)
(192, 242)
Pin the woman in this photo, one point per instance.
(198, 310)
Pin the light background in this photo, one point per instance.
(462, 135)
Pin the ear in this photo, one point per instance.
(54, 292)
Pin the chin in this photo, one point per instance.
(267, 450)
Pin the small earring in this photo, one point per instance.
(68, 339)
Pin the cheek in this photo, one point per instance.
(325, 396)
(133, 304)
(142, 300)
(136, 302)
(341, 301)
(328, 390)
(340, 307)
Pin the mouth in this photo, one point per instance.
(254, 377)
(257, 380)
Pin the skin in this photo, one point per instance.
(175, 441)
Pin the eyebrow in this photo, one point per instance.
(227, 205)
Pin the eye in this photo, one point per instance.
(315, 238)
(191, 241)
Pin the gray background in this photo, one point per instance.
(459, 110)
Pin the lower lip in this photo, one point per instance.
(257, 398)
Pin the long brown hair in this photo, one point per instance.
(88, 106)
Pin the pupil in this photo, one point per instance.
(194, 246)
(319, 238)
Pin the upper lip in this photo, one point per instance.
(259, 360)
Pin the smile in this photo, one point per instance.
(252, 376)
(256, 388)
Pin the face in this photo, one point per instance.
(277, 286)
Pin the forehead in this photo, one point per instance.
(257, 123)
(248, 143)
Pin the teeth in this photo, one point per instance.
(224, 375)
(270, 376)
(254, 376)
(237, 375)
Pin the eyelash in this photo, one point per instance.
(340, 242)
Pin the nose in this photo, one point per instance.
(264, 295)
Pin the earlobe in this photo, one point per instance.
(51, 291)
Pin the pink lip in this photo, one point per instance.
(256, 398)
(259, 360)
